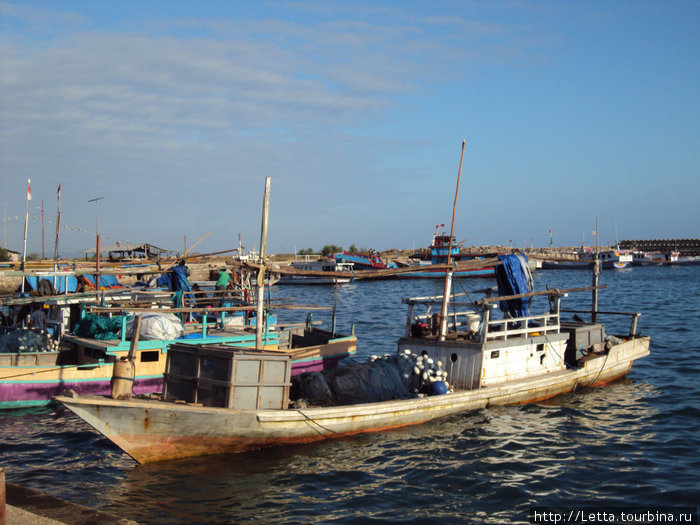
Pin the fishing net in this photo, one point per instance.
(99, 327)
(398, 376)
(24, 341)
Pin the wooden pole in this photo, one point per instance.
(448, 273)
(43, 256)
(3, 507)
(261, 272)
(58, 223)
(135, 338)
(26, 229)
(124, 369)
(97, 263)
(596, 274)
(195, 244)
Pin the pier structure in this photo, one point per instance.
(687, 247)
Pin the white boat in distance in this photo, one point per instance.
(320, 265)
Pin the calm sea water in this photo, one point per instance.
(633, 443)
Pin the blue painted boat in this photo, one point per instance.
(363, 261)
(437, 253)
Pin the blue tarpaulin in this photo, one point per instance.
(513, 277)
(58, 283)
(106, 281)
(175, 279)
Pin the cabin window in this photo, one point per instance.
(453, 358)
(495, 354)
(540, 347)
(150, 356)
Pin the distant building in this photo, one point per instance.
(14, 256)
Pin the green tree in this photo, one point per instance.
(306, 251)
(328, 249)
(4, 255)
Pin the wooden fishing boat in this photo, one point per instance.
(363, 261)
(656, 258)
(86, 366)
(437, 254)
(321, 265)
(488, 361)
(31, 376)
(610, 259)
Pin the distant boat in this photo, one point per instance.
(611, 259)
(566, 265)
(321, 265)
(690, 260)
(654, 258)
(437, 253)
(363, 261)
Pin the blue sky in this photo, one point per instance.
(176, 112)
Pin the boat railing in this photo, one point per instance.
(633, 315)
(509, 328)
(456, 319)
(505, 328)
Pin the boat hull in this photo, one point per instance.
(440, 274)
(606, 265)
(36, 393)
(151, 430)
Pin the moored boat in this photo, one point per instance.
(321, 265)
(363, 261)
(519, 358)
(437, 254)
(655, 258)
(38, 366)
(610, 259)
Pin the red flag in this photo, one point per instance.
(29, 190)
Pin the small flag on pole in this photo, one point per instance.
(29, 190)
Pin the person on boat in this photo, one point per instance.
(38, 318)
(5, 319)
(222, 283)
(182, 264)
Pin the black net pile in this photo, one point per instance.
(397, 376)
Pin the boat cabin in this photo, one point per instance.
(479, 350)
